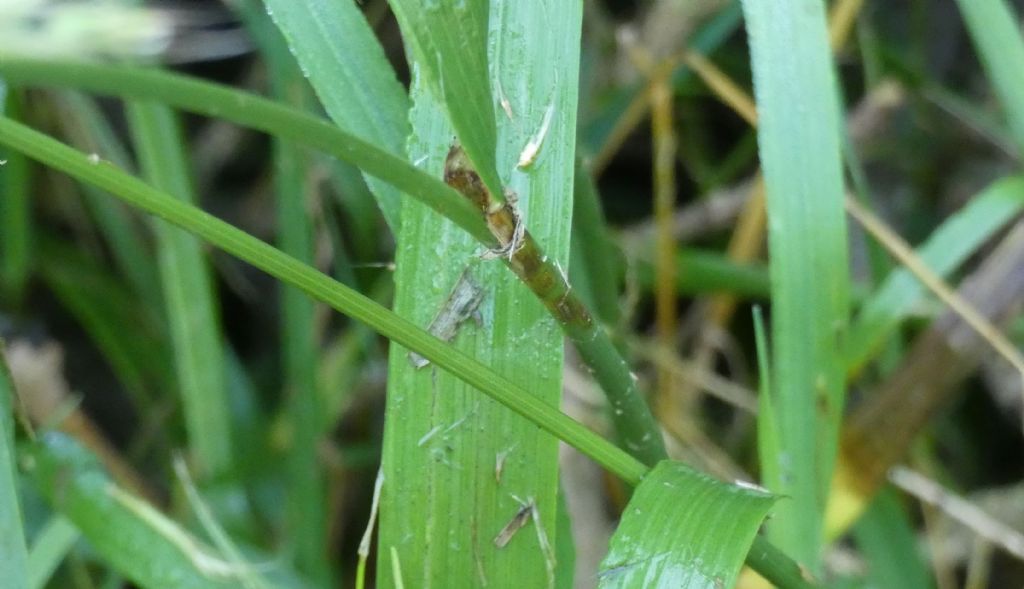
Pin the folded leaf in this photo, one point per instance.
(685, 530)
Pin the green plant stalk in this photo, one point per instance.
(799, 144)
(995, 31)
(634, 423)
(610, 369)
(232, 240)
(13, 554)
(192, 314)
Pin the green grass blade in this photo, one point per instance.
(700, 271)
(307, 501)
(595, 269)
(946, 248)
(88, 128)
(799, 144)
(454, 465)
(136, 540)
(13, 554)
(683, 529)
(995, 30)
(51, 545)
(15, 214)
(887, 540)
(346, 65)
(449, 42)
(191, 309)
(254, 112)
(112, 315)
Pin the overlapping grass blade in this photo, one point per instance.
(455, 465)
(254, 112)
(191, 309)
(683, 529)
(346, 66)
(49, 548)
(799, 146)
(112, 315)
(449, 42)
(134, 538)
(307, 500)
(946, 248)
(13, 554)
(88, 128)
(995, 30)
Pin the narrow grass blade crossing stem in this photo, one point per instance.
(634, 423)
(255, 112)
(764, 557)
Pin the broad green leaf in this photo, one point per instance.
(946, 248)
(191, 308)
(129, 534)
(450, 44)
(995, 30)
(13, 554)
(685, 530)
(798, 138)
(345, 64)
(455, 466)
